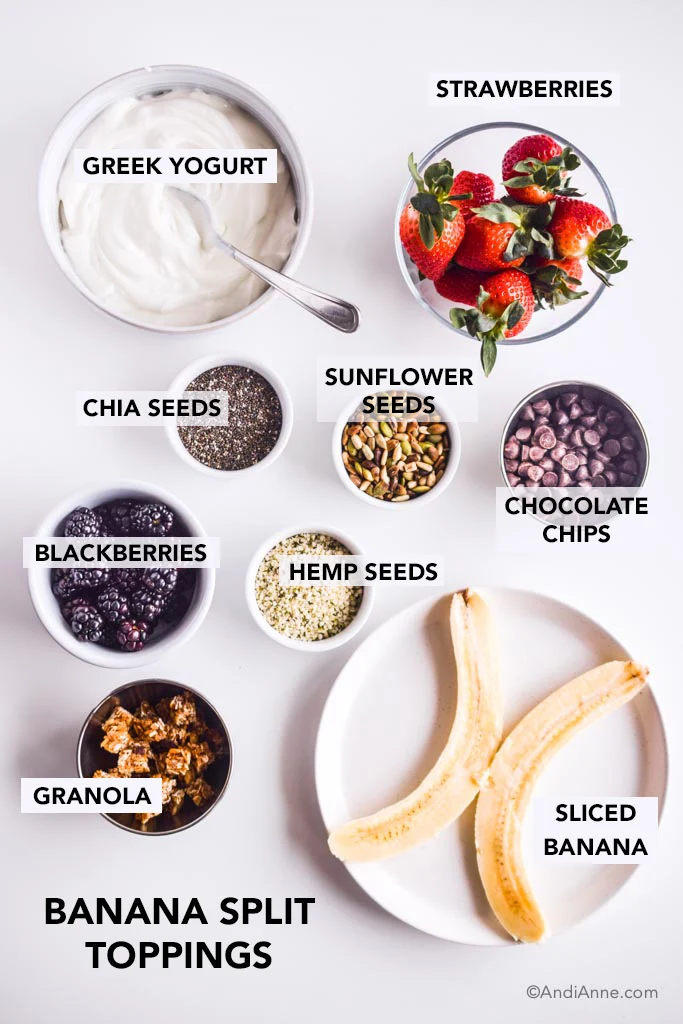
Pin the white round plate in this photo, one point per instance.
(387, 719)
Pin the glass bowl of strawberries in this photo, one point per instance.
(507, 233)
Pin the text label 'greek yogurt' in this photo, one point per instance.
(90, 796)
(122, 552)
(596, 831)
(477, 89)
(152, 408)
(177, 165)
(352, 570)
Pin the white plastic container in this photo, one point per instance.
(187, 375)
(47, 606)
(152, 80)
(310, 646)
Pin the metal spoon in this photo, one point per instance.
(335, 312)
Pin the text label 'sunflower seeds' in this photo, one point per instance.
(305, 613)
(254, 420)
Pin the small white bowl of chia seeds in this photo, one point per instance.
(306, 618)
(260, 416)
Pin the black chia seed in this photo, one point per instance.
(254, 420)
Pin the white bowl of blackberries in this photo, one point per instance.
(115, 616)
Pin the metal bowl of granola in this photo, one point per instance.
(158, 728)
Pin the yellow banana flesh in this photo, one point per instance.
(506, 792)
(453, 782)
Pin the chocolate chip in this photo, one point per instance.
(611, 477)
(547, 464)
(569, 398)
(582, 473)
(527, 414)
(557, 454)
(523, 433)
(565, 479)
(513, 480)
(546, 438)
(523, 468)
(587, 405)
(576, 438)
(535, 473)
(599, 481)
(524, 453)
(550, 479)
(511, 449)
(589, 421)
(564, 432)
(595, 466)
(570, 462)
(559, 418)
(511, 465)
(536, 453)
(629, 466)
(602, 429)
(628, 442)
(575, 411)
(592, 438)
(543, 407)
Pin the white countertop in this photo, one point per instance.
(352, 84)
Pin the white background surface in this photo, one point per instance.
(352, 83)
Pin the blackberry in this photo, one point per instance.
(89, 579)
(151, 520)
(177, 605)
(127, 579)
(132, 635)
(72, 605)
(87, 624)
(117, 517)
(147, 605)
(83, 522)
(113, 604)
(63, 583)
(160, 581)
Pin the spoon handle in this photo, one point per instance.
(335, 312)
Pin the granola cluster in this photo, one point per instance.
(168, 741)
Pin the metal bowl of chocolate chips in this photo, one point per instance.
(162, 729)
(573, 434)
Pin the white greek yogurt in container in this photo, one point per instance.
(131, 248)
(135, 245)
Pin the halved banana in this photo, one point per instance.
(453, 782)
(506, 792)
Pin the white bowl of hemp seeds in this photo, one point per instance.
(305, 618)
(259, 423)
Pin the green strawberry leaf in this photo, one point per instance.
(498, 213)
(513, 314)
(414, 173)
(489, 351)
(427, 233)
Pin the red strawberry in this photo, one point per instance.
(481, 187)
(485, 244)
(555, 282)
(431, 227)
(502, 235)
(536, 169)
(504, 309)
(581, 230)
(461, 285)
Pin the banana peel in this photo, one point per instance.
(453, 782)
(506, 791)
